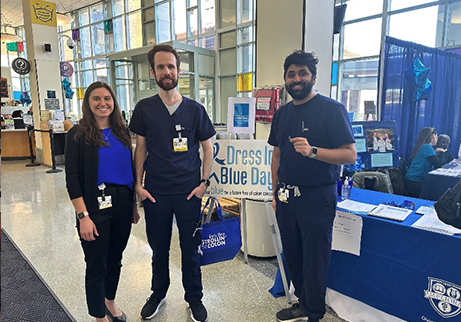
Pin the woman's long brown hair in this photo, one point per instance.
(90, 129)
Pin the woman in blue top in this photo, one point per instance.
(423, 159)
(99, 177)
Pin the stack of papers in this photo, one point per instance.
(430, 221)
(390, 212)
(355, 206)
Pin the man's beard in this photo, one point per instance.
(300, 94)
(167, 87)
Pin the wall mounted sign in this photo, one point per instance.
(43, 13)
(51, 94)
(51, 103)
(66, 69)
(21, 66)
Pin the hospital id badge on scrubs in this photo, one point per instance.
(179, 144)
(105, 203)
(283, 195)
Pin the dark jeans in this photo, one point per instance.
(159, 220)
(103, 256)
(305, 224)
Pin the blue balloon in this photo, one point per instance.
(417, 81)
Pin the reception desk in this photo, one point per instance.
(15, 143)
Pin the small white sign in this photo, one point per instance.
(347, 233)
(241, 115)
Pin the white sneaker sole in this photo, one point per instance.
(156, 311)
(300, 319)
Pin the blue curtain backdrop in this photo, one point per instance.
(443, 107)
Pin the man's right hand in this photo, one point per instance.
(143, 193)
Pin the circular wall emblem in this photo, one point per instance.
(21, 66)
(66, 69)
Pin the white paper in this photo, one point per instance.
(389, 212)
(355, 206)
(425, 210)
(347, 233)
(432, 223)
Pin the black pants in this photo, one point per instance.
(159, 220)
(305, 224)
(413, 188)
(103, 256)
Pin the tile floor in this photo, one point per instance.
(38, 215)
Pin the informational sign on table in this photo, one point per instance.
(241, 169)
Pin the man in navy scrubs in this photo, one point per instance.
(170, 129)
(311, 136)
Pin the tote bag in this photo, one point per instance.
(221, 239)
(448, 207)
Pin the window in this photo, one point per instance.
(208, 16)
(134, 30)
(400, 4)
(354, 35)
(228, 12)
(362, 8)
(162, 22)
(97, 12)
(454, 26)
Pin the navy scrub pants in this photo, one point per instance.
(305, 224)
(103, 256)
(159, 222)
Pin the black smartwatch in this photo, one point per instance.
(313, 153)
(83, 214)
(206, 182)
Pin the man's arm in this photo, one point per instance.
(275, 163)
(345, 154)
(207, 164)
(140, 155)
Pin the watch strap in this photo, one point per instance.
(313, 153)
(82, 214)
(206, 182)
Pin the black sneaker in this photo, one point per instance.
(198, 312)
(291, 314)
(150, 309)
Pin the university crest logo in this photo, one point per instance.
(445, 297)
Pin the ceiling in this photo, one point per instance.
(12, 9)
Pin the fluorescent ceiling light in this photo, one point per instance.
(63, 19)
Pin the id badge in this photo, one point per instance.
(283, 195)
(106, 203)
(179, 144)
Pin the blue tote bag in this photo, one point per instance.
(221, 239)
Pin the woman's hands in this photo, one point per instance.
(88, 231)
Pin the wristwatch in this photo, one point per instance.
(83, 214)
(206, 182)
(313, 153)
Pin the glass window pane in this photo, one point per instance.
(193, 42)
(119, 34)
(119, 7)
(162, 22)
(133, 5)
(454, 28)
(410, 26)
(228, 89)
(85, 64)
(399, 4)
(101, 75)
(335, 46)
(245, 35)
(98, 40)
(228, 12)
(228, 61)
(83, 17)
(354, 34)
(246, 11)
(228, 39)
(149, 33)
(192, 18)
(245, 82)
(362, 8)
(148, 14)
(192, 3)
(179, 14)
(97, 12)
(87, 78)
(85, 42)
(208, 16)
(359, 84)
(100, 63)
(134, 32)
(245, 59)
(207, 42)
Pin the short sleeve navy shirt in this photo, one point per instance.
(169, 172)
(325, 124)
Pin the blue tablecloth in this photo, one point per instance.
(401, 270)
(435, 185)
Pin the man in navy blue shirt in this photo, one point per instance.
(170, 129)
(311, 136)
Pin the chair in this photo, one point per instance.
(68, 125)
(403, 166)
(372, 180)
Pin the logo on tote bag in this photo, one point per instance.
(445, 297)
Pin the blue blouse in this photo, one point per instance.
(114, 164)
(420, 166)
